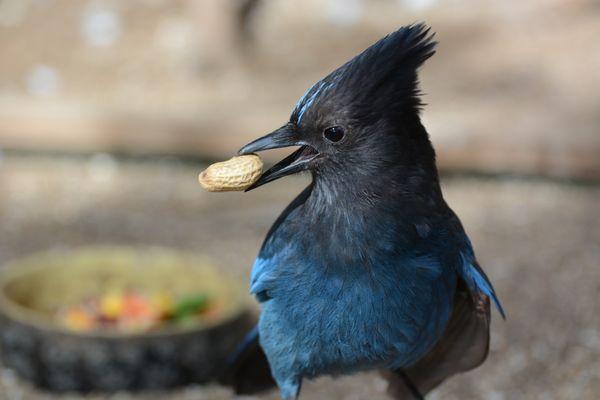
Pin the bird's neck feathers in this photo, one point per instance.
(398, 171)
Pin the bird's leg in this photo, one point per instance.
(410, 385)
(401, 386)
(290, 389)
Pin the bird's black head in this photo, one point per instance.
(361, 118)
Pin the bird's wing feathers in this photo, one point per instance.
(264, 273)
(264, 270)
(478, 282)
(463, 346)
(248, 370)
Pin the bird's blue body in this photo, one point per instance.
(368, 268)
(350, 292)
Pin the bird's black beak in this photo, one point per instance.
(283, 137)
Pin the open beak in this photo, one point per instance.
(283, 137)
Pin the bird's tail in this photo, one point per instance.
(248, 370)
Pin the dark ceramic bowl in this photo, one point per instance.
(40, 350)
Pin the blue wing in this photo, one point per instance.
(273, 250)
(247, 369)
(262, 277)
(477, 281)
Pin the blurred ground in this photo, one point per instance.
(513, 87)
(538, 240)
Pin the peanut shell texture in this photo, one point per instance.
(235, 174)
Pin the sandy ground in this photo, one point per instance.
(539, 241)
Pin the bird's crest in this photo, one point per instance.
(382, 78)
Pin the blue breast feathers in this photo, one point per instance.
(334, 315)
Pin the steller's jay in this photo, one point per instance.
(368, 268)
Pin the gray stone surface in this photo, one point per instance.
(539, 242)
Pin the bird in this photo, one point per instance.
(368, 268)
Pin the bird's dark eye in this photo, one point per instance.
(334, 133)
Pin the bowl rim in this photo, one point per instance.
(21, 266)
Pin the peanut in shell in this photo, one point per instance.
(235, 174)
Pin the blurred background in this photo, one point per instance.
(109, 109)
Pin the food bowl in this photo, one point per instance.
(40, 347)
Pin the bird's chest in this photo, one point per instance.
(336, 319)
